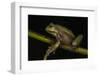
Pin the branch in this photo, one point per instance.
(40, 37)
(48, 40)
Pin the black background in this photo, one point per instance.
(37, 23)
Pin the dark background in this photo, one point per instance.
(37, 23)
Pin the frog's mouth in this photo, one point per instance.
(50, 30)
(52, 33)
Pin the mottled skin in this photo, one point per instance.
(63, 36)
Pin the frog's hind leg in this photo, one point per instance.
(51, 49)
(77, 41)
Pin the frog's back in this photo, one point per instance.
(66, 30)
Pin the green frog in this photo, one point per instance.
(64, 37)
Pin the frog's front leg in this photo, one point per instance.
(51, 49)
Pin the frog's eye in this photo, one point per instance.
(50, 26)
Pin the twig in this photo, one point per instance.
(48, 40)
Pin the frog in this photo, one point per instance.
(63, 36)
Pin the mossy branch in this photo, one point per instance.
(48, 40)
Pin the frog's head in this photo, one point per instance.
(51, 29)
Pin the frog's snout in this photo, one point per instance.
(46, 29)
